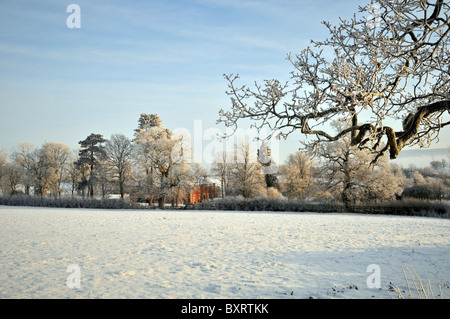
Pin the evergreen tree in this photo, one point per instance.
(91, 154)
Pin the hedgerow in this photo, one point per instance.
(67, 202)
(402, 207)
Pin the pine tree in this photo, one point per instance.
(92, 152)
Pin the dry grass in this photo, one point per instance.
(420, 291)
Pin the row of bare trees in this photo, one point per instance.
(149, 167)
(43, 169)
(101, 166)
(341, 172)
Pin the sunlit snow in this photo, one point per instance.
(211, 254)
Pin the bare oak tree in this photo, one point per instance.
(348, 173)
(154, 146)
(222, 169)
(297, 175)
(3, 164)
(119, 150)
(247, 177)
(389, 82)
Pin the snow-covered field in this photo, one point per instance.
(201, 254)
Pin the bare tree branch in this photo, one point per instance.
(397, 72)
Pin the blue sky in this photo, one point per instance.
(132, 57)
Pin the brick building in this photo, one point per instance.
(202, 192)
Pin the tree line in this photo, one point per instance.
(118, 165)
(146, 168)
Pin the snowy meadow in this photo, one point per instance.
(89, 253)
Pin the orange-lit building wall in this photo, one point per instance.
(202, 192)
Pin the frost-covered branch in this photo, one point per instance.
(390, 83)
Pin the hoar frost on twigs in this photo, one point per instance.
(388, 81)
